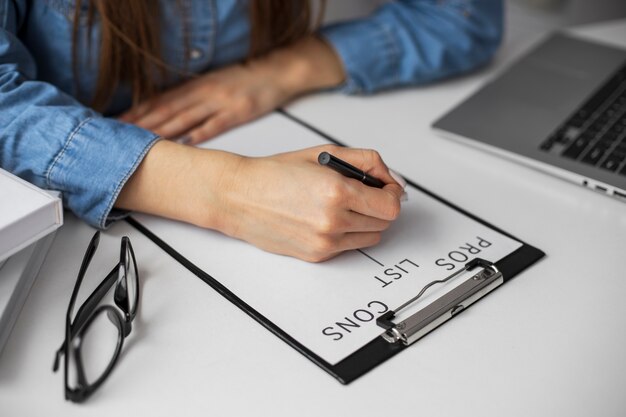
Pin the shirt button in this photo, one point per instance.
(195, 54)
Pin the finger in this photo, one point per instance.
(140, 111)
(165, 108)
(329, 247)
(185, 120)
(350, 222)
(136, 112)
(217, 124)
(399, 178)
(367, 160)
(381, 203)
(350, 241)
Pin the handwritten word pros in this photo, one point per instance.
(463, 254)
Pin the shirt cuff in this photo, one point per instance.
(369, 52)
(92, 167)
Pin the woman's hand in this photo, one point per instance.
(286, 203)
(217, 101)
(289, 204)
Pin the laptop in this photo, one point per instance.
(560, 108)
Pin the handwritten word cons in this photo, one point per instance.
(353, 321)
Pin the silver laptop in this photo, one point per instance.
(561, 108)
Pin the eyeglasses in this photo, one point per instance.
(94, 338)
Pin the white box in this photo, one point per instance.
(27, 214)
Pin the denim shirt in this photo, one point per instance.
(48, 137)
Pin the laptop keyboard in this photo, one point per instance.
(596, 133)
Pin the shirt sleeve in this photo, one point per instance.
(51, 140)
(415, 42)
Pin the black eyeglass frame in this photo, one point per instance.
(89, 311)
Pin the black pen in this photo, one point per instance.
(348, 170)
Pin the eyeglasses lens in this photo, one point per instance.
(98, 345)
(131, 280)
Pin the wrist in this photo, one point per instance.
(309, 64)
(182, 183)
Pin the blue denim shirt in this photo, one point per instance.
(52, 140)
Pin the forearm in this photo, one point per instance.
(50, 139)
(407, 42)
(286, 203)
(181, 182)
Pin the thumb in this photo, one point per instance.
(396, 190)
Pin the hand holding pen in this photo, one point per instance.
(323, 213)
(285, 203)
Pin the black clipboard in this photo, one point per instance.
(391, 342)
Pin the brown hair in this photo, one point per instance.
(130, 51)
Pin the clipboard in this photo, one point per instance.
(396, 334)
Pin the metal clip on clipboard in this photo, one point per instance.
(444, 308)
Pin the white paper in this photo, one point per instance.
(331, 307)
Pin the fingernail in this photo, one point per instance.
(183, 140)
(398, 178)
(404, 196)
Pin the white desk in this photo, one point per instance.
(549, 343)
